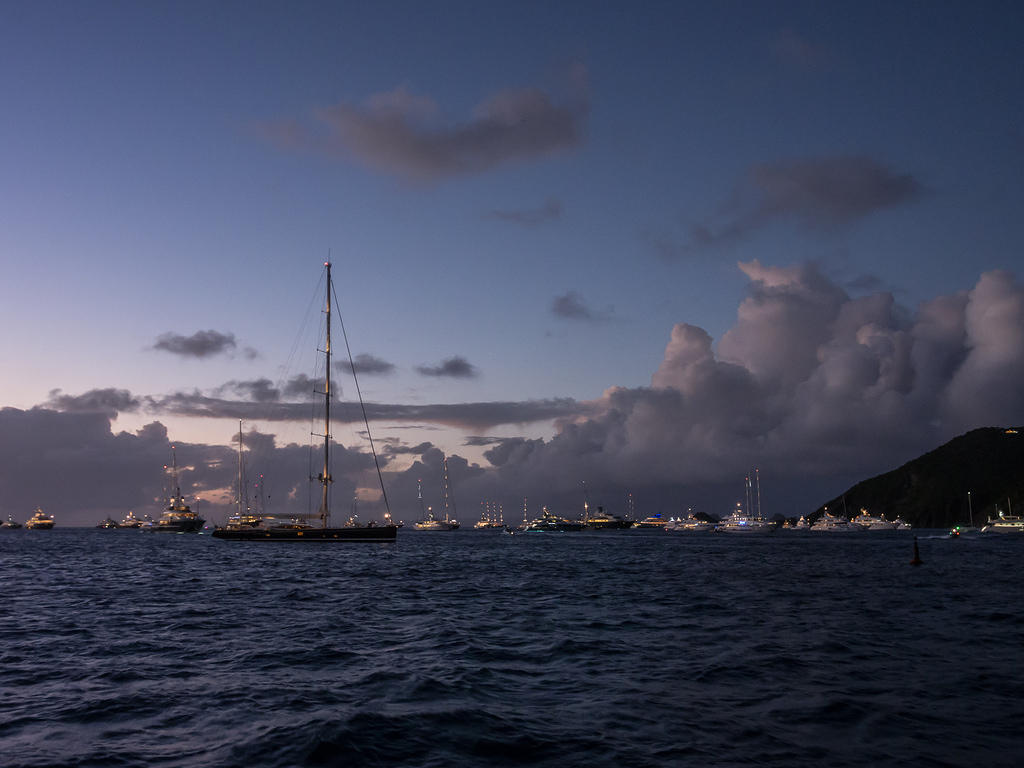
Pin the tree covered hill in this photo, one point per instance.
(931, 491)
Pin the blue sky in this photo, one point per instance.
(540, 192)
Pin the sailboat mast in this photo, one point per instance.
(325, 476)
(757, 475)
(241, 484)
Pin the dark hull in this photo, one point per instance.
(608, 525)
(383, 533)
(192, 526)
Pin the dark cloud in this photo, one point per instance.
(258, 390)
(572, 306)
(368, 365)
(814, 387)
(468, 415)
(200, 344)
(822, 194)
(551, 210)
(395, 447)
(108, 401)
(456, 367)
(811, 385)
(401, 133)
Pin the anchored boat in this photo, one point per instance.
(301, 528)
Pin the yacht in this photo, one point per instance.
(830, 522)
(490, 519)
(739, 522)
(802, 524)
(40, 520)
(653, 521)
(603, 521)
(872, 522)
(131, 521)
(1004, 523)
(689, 524)
(900, 524)
(178, 517)
(9, 523)
(549, 521)
(429, 522)
(109, 522)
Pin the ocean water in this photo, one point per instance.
(124, 648)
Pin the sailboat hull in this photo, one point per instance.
(370, 534)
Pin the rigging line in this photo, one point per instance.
(362, 406)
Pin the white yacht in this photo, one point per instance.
(740, 522)
(872, 522)
(1004, 523)
(830, 522)
(689, 524)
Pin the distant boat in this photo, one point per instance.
(830, 522)
(872, 522)
(550, 522)
(40, 521)
(958, 530)
(109, 522)
(428, 521)
(490, 519)
(690, 524)
(742, 522)
(10, 523)
(131, 521)
(178, 517)
(299, 528)
(604, 521)
(243, 517)
(1004, 523)
(651, 521)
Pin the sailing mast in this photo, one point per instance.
(241, 480)
(325, 476)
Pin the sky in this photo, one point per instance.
(622, 252)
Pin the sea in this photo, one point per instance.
(470, 648)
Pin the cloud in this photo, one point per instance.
(551, 210)
(456, 367)
(572, 306)
(815, 387)
(368, 365)
(200, 344)
(402, 133)
(107, 401)
(484, 415)
(822, 194)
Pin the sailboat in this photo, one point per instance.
(178, 517)
(243, 517)
(270, 528)
(744, 520)
(429, 522)
(489, 519)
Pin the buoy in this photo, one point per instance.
(917, 555)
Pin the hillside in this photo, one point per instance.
(931, 491)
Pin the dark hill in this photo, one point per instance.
(931, 491)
